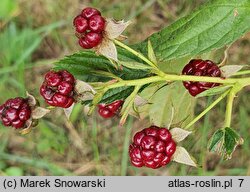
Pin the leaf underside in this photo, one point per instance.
(224, 141)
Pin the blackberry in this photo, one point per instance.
(89, 26)
(15, 112)
(198, 67)
(152, 147)
(108, 111)
(58, 89)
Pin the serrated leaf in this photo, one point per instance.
(182, 156)
(224, 141)
(179, 134)
(215, 142)
(135, 65)
(151, 53)
(230, 70)
(39, 112)
(214, 91)
(85, 66)
(197, 33)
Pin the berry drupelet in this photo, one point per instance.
(15, 112)
(58, 88)
(152, 147)
(89, 26)
(198, 67)
(108, 111)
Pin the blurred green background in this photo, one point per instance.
(34, 34)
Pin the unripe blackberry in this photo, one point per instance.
(89, 26)
(58, 89)
(108, 111)
(15, 112)
(152, 147)
(198, 67)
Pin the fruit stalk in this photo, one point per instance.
(207, 109)
(229, 108)
(139, 55)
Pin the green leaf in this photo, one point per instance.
(163, 98)
(128, 104)
(214, 91)
(116, 94)
(212, 26)
(135, 65)
(151, 54)
(86, 66)
(224, 141)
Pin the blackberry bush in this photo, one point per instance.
(141, 81)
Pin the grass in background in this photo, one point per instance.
(36, 33)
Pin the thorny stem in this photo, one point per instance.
(207, 109)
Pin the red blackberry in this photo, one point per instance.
(108, 111)
(89, 26)
(198, 67)
(58, 89)
(15, 112)
(152, 147)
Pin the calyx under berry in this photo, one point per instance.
(21, 113)
(198, 67)
(110, 110)
(152, 147)
(89, 26)
(58, 88)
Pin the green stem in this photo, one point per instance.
(135, 82)
(246, 72)
(229, 108)
(166, 77)
(207, 109)
(139, 55)
(202, 79)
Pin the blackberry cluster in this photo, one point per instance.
(89, 26)
(15, 112)
(198, 67)
(152, 147)
(58, 88)
(108, 111)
